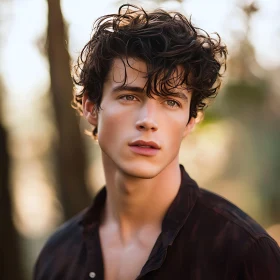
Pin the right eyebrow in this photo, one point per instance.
(128, 88)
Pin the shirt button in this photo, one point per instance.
(92, 274)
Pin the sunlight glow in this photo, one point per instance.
(36, 207)
(200, 150)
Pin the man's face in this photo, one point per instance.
(128, 115)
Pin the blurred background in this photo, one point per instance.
(49, 168)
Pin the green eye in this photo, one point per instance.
(172, 103)
(128, 97)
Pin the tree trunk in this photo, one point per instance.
(10, 263)
(70, 155)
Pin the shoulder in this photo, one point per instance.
(219, 232)
(217, 225)
(222, 210)
(60, 247)
(68, 232)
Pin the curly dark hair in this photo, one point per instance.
(164, 41)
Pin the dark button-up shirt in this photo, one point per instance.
(203, 237)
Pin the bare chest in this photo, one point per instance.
(124, 263)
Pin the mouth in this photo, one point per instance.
(145, 144)
(145, 148)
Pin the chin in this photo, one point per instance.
(144, 171)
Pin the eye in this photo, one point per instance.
(128, 97)
(172, 103)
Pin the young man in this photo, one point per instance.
(144, 77)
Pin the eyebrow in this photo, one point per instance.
(141, 90)
(179, 95)
(128, 88)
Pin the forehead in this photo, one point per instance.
(129, 70)
(134, 71)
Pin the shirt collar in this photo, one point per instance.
(180, 208)
(92, 215)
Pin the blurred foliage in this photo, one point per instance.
(244, 95)
(254, 153)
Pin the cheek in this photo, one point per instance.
(112, 122)
(178, 124)
(176, 132)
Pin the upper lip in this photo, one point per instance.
(145, 143)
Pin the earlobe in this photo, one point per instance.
(89, 110)
(192, 123)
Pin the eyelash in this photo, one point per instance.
(127, 95)
(172, 100)
(176, 102)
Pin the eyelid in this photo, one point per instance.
(124, 95)
(180, 96)
(179, 105)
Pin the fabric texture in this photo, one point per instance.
(204, 237)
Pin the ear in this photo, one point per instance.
(89, 110)
(189, 127)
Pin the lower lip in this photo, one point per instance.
(144, 151)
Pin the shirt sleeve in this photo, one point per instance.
(262, 261)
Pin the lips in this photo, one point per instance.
(145, 144)
(144, 148)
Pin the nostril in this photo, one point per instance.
(141, 126)
(146, 124)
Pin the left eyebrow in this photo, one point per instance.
(128, 88)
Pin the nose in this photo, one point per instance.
(147, 124)
(146, 120)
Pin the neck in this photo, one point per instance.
(136, 203)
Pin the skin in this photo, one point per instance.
(140, 188)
